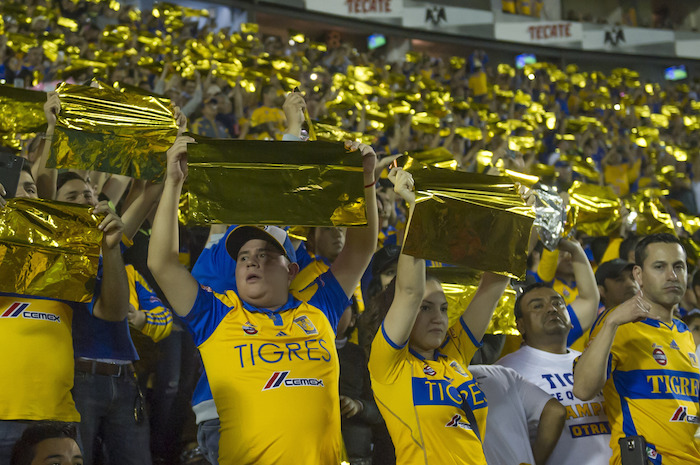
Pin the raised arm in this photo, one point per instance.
(549, 429)
(113, 302)
(477, 315)
(590, 372)
(360, 243)
(177, 283)
(586, 304)
(410, 274)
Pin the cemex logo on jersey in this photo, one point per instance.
(279, 378)
(457, 422)
(20, 308)
(681, 414)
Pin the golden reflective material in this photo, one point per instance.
(433, 156)
(21, 112)
(331, 133)
(526, 180)
(652, 216)
(460, 285)
(468, 219)
(594, 210)
(273, 182)
(49, 249)
(104, 129)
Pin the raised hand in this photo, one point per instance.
(181, 121)
(403, 185)
(177, 160)
(369, 159)
(52, 107)
(293, 108)
(111, 226)
(635, 309)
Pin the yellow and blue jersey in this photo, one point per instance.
(423, 401)
(159, 318)
(652, 389)
(36, 374)
(272, 373)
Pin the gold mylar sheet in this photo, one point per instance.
(460, 285)
(273, 182)
(652, 216)
(103, 129)
(469, 219)
(594, 210)
(21, 111)
(49, 249)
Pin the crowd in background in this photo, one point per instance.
(614, 130)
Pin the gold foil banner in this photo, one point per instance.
(652, 216)
(103, 129)
(273, 182)
(594, 210)
(469, 219)
(21, 111)
(49, 249)
(460, 285)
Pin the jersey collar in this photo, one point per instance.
(421, 358)
(291, 303)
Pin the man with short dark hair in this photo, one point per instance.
(544, 320)
(48, 442)
(615, 282)
(644, 360)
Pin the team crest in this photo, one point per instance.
(457, 422)
(693, 359)
(306, 325)
(674, 345)
(660, 356)
(250, 328)
(428, 370)
(458, 368)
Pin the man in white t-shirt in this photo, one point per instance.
(515, 406)
(542, 319)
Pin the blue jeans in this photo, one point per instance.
(208, 439)
(106, 406)
(10, 432)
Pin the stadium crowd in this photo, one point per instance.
(342, 330)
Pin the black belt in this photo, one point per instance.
(104, 368)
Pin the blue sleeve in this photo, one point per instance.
(215, 267)
(206, 314)
(576, 331)
(148, 300)
(330, 298)
(303, 257)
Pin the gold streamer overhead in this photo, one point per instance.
(273, 182)
(460, 285)
(49, 249)
(21, 112)
(469, 219)
(103, 129)
(594, 210)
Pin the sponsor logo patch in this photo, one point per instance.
(660, 356)
(674, 345)
(281, 334)
(19, 309)
(457, 422)
(250, 328)
(280, 378)
(681, 415)
(428, 370)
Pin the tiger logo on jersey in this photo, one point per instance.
(693, 359)
(458, 368)
(306, 325)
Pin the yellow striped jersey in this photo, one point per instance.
(159, 318)
(273, 374)
(423, 401)
(652, 389)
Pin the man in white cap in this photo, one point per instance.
(270, 357)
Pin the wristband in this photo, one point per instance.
(371, 184)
